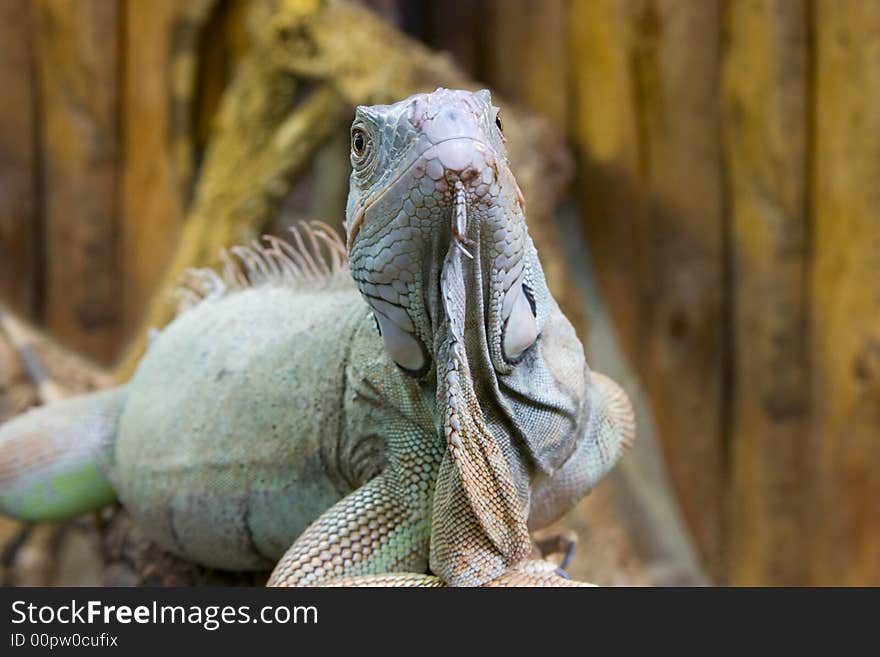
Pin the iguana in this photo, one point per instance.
(406, 427)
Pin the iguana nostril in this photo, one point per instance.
(468, 174)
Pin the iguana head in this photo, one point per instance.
(439, 248)
(428, 173)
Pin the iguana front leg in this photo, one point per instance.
(376, 529)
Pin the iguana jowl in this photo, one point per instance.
(272, 412)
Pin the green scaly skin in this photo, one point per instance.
(270, 422)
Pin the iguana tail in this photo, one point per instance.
(54, 460)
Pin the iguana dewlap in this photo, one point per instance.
(419, 420)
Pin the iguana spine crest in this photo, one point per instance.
(315, 256)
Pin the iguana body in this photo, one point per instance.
(272, 413)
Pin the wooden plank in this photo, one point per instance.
(178, 61)
(765, 97)
(19, 219)
(78, 54)
(682, 343)
(525, 56)
(452, 26)
(604, 130)
(845, 320)
(647, 126)
(151, 204)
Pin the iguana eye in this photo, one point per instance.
(358, 142)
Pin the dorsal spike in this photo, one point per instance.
(309, 263)
(272, 261)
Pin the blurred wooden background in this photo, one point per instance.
(728, 176)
